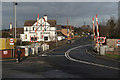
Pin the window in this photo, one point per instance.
(33, 28)
(33, 38)
(46, 38)
(26, 29)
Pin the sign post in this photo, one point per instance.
(100, 40)
(11, 43)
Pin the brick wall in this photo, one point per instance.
(7, 53)
(112, 43)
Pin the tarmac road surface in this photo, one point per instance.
(57, 65)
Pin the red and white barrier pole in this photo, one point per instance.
(93, 28)
(99, 45)
(37, 22)
(43, 29)
(97, 26)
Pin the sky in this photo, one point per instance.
(76, 12)
(61, 0)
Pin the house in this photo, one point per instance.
(11, 31)
(66, 31)
(39, 30)
(86, 27)
(7, 50)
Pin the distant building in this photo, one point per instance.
(10, 25)
(66, 31)
(42, 29)
(11, 32)
(18, 32)
(86, 27)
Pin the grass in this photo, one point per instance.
(115, 56)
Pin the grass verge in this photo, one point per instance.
(115, 56)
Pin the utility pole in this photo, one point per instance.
(13, 20)
(67, 21)
(14, 5)
(56, 31)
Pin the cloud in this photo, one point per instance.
(0, 15)
(76, 12)
(61, 0)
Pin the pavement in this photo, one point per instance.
(23, 58)
(55, 65)
(11, 59)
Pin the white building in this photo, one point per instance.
(10, 25)
(42, 29)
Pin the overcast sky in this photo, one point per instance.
(76, 12)
(60, 0)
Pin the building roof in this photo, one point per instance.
(58, 27)
(52, 22)
(60, 34)
(18, 30)
(67, 27)
(31, 22)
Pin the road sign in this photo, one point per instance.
(101, 39)
(11, 40)
(11, 43)
(5, 52)
(118, 42)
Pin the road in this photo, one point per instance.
(68, 61)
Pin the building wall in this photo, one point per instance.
(112, 43)
(9, 55)
(31, 32)
(64, 31)
(5, 43)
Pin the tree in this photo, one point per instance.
(111, 29)
(118, 28)
(111, 24)
(5, 34)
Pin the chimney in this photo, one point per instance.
(45, 17)
(10, 25)
(38, 17)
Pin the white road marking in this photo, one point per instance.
(85, 62)
(52, 55)
(94, 56)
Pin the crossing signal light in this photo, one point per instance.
(101, 39)
(33, 38)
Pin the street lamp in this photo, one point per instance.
(14, 5)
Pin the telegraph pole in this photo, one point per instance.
(67, 21)
(14, 5)
(56, 31)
